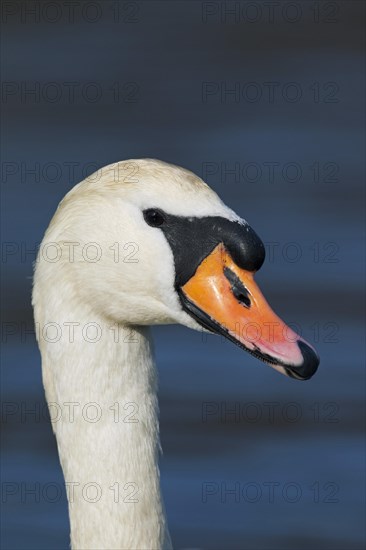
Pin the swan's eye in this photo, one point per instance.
(154, 217)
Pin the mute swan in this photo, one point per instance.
(143, 243)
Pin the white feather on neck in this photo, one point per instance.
(107, 434)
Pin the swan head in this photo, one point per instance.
(144, 242)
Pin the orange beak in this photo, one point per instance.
(225, 299)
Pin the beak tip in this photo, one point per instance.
(309, 365)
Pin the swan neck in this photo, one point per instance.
(108, 436)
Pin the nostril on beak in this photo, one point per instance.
(240, 292)
(309, 365)
(241, 297)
